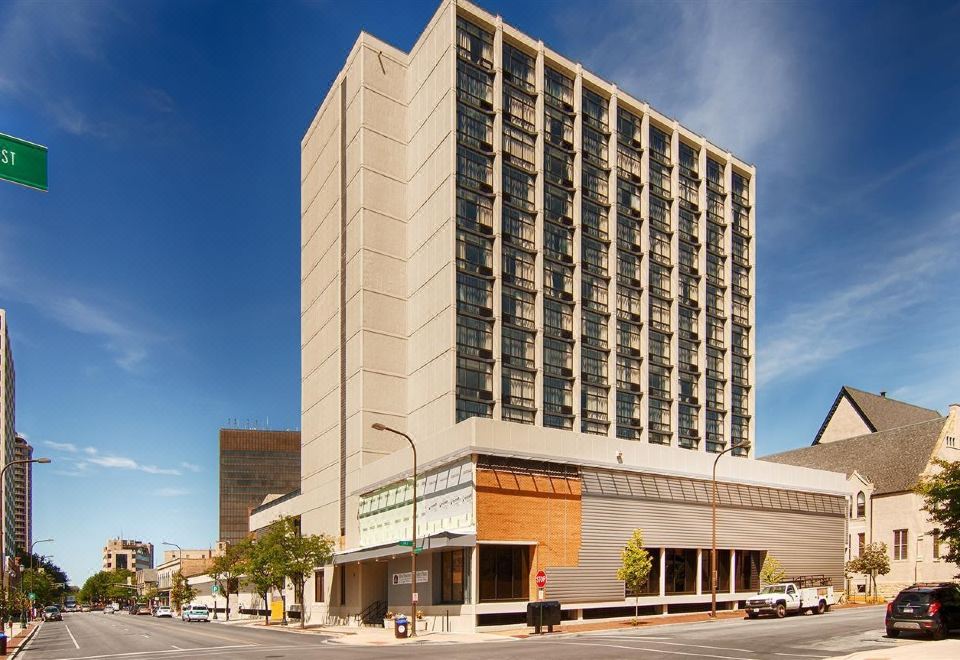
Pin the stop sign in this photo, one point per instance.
(541, 579)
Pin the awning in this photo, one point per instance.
(435, 542)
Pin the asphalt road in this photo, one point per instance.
(95, 636)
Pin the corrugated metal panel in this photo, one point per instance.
(805, 543)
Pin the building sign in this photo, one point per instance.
(444, 503)
(404, 578)
(23, 162)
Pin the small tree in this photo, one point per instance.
(941, 495)
(635, 568)
(301, 557)
(181, 592)
(260, 561)
(225, 570)
(873, 561)
(772, 571)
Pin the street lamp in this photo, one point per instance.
(413, 541)
(32, 575)
(3, 549)
(713, 511)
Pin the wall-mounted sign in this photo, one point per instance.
(23, 162)
(404, 578)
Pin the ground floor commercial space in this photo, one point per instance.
(511, 518)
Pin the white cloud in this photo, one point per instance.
(171, 492)
(62, 446)
(125, 463)
(860, 313)
(193, 467)
(90, 451)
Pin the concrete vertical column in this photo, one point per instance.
(498, 220)
(663, 572)
(700, 570)
(733, 571)
(538, 237)
(452, 127)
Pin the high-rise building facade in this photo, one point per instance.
(7, 434)
(127, 554)
(254, 463)
(23, 494)
(548, 285)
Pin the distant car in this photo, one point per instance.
(52, 613)
(108, 609)
(931, 608)
(163, 611)
(141, 610)
(85, 608)
(195, 613)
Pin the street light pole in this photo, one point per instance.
(713, 512)
(413, 539)
(32, 575)
(3, 495)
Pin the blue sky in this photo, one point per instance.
(153, 292)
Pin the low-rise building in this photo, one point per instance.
(885, 447)
(189, 562)
(127, 554)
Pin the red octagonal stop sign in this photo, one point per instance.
(541, 579)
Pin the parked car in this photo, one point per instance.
(163, 611)
(85, 608)
(797, 595)
(930, 608)
(195, 613)
(52, 613)
(108, 609)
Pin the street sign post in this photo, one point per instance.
(23, 162)
(541, 579)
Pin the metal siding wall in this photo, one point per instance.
(804, 543)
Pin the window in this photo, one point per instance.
(451, 576)
(861, 505)
(474, 169)
(518, 68)
(594, 146)
(518, 388)
(519, 108)
(518, 347)
(681, 570)
(936, 544)
(518, 188)
(557, 357)
(318, 587)
(659, 348)
(594, 329)
(518, 268)
(861, 543)
(474, 211)
(650, 586)
(723, 571)
(594, 110)
(519, 308)
(474, 336)
(629, 126)
(951, 441)
(474, 86)
(518, 227)
(899, 544)
(474, 44)
(660, 144)
(504, 572)
(519, 145)
(557, 241)
(558, 318)
(558, 87)
(748, 570)
(474, 128)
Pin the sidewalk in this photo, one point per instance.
(19, 637)
(948, 649)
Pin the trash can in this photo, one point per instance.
(543, 613)
(401, 629)
(3, 644)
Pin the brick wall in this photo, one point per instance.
(524, 507)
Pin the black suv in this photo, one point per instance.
(930, 608)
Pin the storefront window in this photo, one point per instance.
(748, 569)
(681, 571)
(723, 571)
(451, 576)
(504, 572)
(651, 587)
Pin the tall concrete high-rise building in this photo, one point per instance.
(23, 495)
(549, 286)
(254, 463)
(7, 434)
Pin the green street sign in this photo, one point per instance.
(216, 589)
(417, 551)
(406, 543)
(23, 162)
(32, 596)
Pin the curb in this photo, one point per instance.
(23, 643)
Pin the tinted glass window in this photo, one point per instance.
(914, 598)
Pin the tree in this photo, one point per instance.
(941, 495)
(772, 571)
(261, 563)
(106, 585)
(181, 593)
(635, 568)
(873, 561)
(225, 570)
(301, 555)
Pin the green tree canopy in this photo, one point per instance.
(772, 570)
(226, 569)
(873, 561)
(301, 556)
(635, 567)
(181, 593)
(941, 496)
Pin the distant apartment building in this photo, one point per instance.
(254, 463)
(23, 494)
(549, 285)
(7, 435)
(127, 554)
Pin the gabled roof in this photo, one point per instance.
(878, 412)
(892, 459)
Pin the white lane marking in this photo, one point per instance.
(797, 655)
(136, 653)
(653, 650)
(176, 647)
(72, 638)
(625, 636)
(701, 646)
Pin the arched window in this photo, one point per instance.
(861, 505)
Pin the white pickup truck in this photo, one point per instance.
(813, 593)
